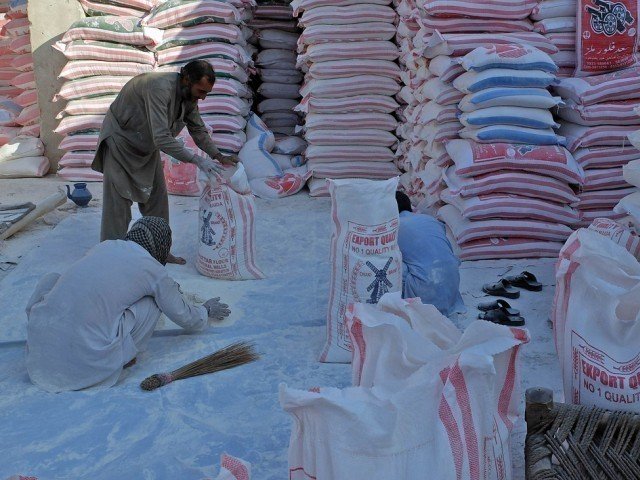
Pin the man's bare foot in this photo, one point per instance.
(131, 363)
(177, 260)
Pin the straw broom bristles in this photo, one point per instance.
(232, 356)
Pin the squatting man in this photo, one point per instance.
(87, 324)
(145, 119)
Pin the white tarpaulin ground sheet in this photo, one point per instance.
(180, 430)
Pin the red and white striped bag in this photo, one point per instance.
(176, 13)
(348, 153)
(83, 141)
(473, 159)
(29, 116)
(504, 206)
(225, 105)
(465, 230)
(349, 68)
(226, 226)
(430, 24)
(21, 45)
(446, 68)
(24, 63)
(104, 52)
(456, 434)
(91, 86)
(27, 98)
(224, 123)
(553, 9)
(434, 112)
(602, 199)
(325, 52)
(115, 29)
(87, 106)
(303, 5)
(588, 216)
(220, 65)
(79, 123)
(353, 169)
(609, 87)
(457, 45)
(97, 8)
(79, 174)
(355, 32)
(77, 159)
(209, 32)
(563, 41)
(613, 113)
(604, 179)
(490, 9)
(88, 68)
(598, 136)
(367, 137)
(355, 104)
(358, 13)
(16, 27)
(490, 248)
(606, 157)
(351, 86)
(186, 53)
(318, 187)
(229, 142)
(377, 121)
(24, 81)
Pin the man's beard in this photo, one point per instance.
(186, 93)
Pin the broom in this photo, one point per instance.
(234, 355)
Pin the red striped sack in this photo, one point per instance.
(91, 86)
(30, 130)
(77, 159)
(355, 32)
(200, 34)
(348, 153)
(372, 50)
(433, 112)
(588, 216)
(225, 105)
(7, 134)
(458, 45)
(97, 8)
(349, 68)
(604, 179)
(503, 206)
(491, 248)
(377, 121)
(599, 136)
(490, 9)
(606, 157)
(16, 27)
(79, 123)
(24, 63)
(367, 137)
(228, 142)
(473, 159)
(26, 98)
(612, 113)
(88, 68)
(108, 29)
(222, 66)
(104, 51)
(608, 87)
(439, 91)
(602, 199)
(29, 116)
(83, 141)
(515, 182)
(430, 24)
(226, 230)
(87, 106)
(556, 25)
(20, 45)
(24, 81)
(174, 13)
(355, 104)
(351, 86)
(353, 169)
(466, 230)
(565, 62)
(349, 15)
(273, 12)
(303, 5)
(224, 123)
(563, 41)
(79, 174)
(185, 53)
(618, 233)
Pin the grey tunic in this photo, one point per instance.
(81, 325)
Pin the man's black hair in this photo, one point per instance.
(197, 70)
(403, 202)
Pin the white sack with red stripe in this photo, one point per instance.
(596, 317)
(226, 229)
(425, 394)
(365, 259)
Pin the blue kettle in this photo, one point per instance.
(80, 195)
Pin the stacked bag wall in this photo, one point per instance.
(351, 78)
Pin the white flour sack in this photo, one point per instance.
(226, 229)
(517, 57)
(509, 97)
(620, 85)
(596, 316)
(365, 259)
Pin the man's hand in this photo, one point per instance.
(216, 311)
(227, 159)
(208, 166)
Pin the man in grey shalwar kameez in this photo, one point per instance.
(144, 119)
(86, 324)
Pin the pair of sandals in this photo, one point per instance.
(499, 311)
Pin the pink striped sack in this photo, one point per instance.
(430, 24)
(16, 27)
(565, 62)
(81, 174)
(29, 116)
(104, 51)
(228, 142)
(24, 63)
(553, 9)
(604, 179)
(491, 248)
(367, 137)
(7, 134)
(176, 13)
(353, 169)
(460, 44)
(365, 257)
(77, 159)
(377, 121)
(408, 358)
(82, 141)
(465, 230)
(87, 106)
(21, 45)
(613, 113)
(325, 52)
(226, 227)
(490, 9)
(563, 41)
(91, 86)
(606, 157)
(273, 12)
(79, 123)
(349, 68)
(109, 29)
(88, 68)
(224, 105)
(97, 8)
(30, 130)
(355, 32)
(599, 136)
(440, 92)
(220, 65)
(595, 298)
(355, 104)
(359, 13)
(503, 206)
(174, 37)
(446, 68)
(348, 153)
(473, 159)
(602, 199)
(24, 81)
(608, 87)
(299, 6)
(186, 53)
(348, 87)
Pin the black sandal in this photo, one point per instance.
(502, 318)
(525, 280)
(498, 305)
(500, 289)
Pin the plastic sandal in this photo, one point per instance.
(498, 305)
(525, 280)
(501, 318)
(500, 289)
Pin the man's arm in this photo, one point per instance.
(158, 114)
(171, 302)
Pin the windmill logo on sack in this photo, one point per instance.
(207, 231)
(380, 284)
(610, 18)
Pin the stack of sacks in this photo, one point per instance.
(278, 78)
(103, 54)
(271, 175)
(21, 61)
(601, 112)
(209, 30)
(23, 157)
(509, 190)
(556, 20)
(350, 81)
